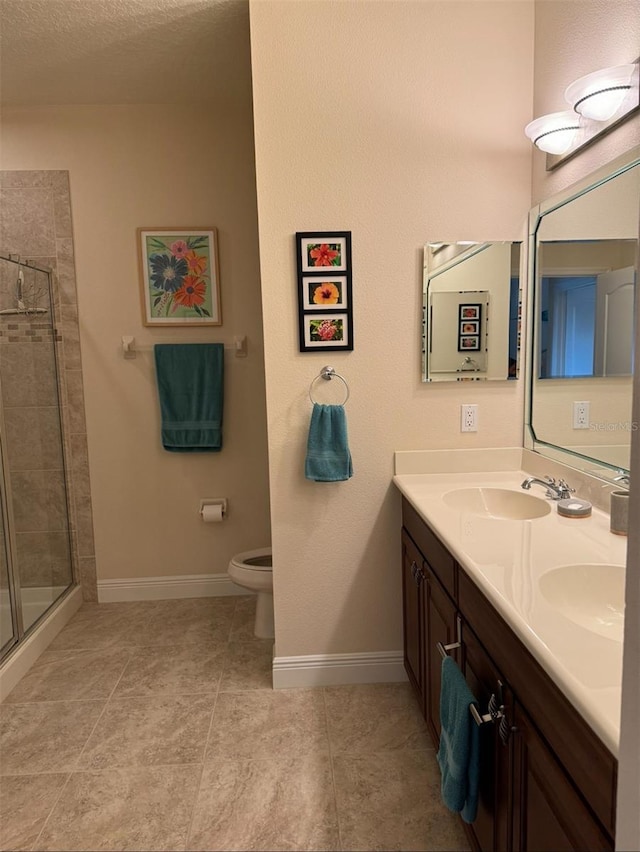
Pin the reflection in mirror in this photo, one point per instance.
(585, 268)
(585, 309)
(471, 311)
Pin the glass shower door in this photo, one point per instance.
(8, 625)
(30, 419)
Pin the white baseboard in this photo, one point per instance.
(164, 588)
(20, 661)
(338, 669)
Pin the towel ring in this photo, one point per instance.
(328, 373)
(469, 365)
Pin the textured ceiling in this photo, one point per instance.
(124, 51)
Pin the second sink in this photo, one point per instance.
(499, 503)
(591, 595)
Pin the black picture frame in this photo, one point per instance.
(469, 326)
(325, 315)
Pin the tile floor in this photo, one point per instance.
(153, 725)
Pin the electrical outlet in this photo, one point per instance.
(468, 418)
(581, 415)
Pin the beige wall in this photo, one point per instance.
(368, 118)
(568, 45)
(157, 165)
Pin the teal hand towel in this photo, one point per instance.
(190, 378)
(328, 457)
(458, 755)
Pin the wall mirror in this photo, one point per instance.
(471, 311)
(584, 255)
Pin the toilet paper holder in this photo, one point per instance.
(213, 501)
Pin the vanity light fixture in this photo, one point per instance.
(600, 101)
(555, 132)
(600, 95)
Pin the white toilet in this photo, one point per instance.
(253, 570)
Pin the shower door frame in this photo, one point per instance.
(10, 546)
(15, 588)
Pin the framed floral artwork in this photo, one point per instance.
(179, 278)
(469, 319)
(324, 250)
(324, 290)
(326, 331)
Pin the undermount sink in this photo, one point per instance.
(591, 595)
(500, 503)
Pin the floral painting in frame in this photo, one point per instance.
(324, 250)
(326, 331)
(328, 291)
(179, 279)
(324, 290)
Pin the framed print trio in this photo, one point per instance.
(469, 319)
(324, 290)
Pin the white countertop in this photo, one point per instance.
(506, 558)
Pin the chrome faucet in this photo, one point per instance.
(624, 477)
(556, 492)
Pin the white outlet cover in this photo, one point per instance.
(469, 418)
(581, 415)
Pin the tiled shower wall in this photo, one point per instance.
(35, 223)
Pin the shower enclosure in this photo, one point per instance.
(35, 542)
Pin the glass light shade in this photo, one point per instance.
(600, 95)
(553, 133)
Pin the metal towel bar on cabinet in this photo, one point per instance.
(495, 706)
(457, 644)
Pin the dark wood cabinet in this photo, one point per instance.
(547, 782)
(548, 813)
(440, 625)
(491, 828)
(413, 610)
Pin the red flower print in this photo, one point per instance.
(191, 293)
(323, 255)
(326, 330)
(179, 248)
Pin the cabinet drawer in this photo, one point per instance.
(585, 758)
(435, 553)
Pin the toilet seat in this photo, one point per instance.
(254, 560)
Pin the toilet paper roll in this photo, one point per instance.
(212, 514)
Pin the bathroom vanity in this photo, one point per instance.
(507, 596)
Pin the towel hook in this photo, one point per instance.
(327, 373)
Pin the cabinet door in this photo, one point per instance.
(413, 606)
(491, 829)
(440, 626)
(549, 815)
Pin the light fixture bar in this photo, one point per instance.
(583, 95)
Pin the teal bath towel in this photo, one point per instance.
(190, 379)
(328, 457)
(458, 755)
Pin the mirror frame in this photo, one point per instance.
(555, 452)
